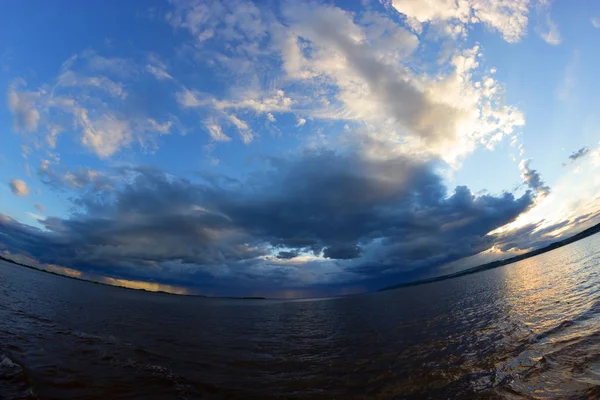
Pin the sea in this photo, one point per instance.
(526, 330)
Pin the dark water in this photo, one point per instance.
(531, 329)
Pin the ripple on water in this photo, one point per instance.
(13, 380)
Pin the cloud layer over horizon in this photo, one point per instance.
(321, 218)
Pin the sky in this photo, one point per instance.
(294, 149)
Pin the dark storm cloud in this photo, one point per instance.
(365, 216)
(286, 255)
(337, 204)
(342, 252)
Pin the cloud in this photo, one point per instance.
(70, 79)
(362, 201)
(552, 36)
(158, 72)
(188, 98)
(88, 99)
(244, 130)
(97, 63)
(40, 207)
(341, 216)
(18, 187)
(105, 135)
(549, 32)
(533, 179)
(247, 101)
(212, 20)
(78, 178)
(595, 22)
(509, 17)
(445, 115)
(286, 255)
(36, 216)
(22, 105)
(259, 103)
(329, 64)
(582, 152)
(342, 252)
(567, 85)
(216, 133)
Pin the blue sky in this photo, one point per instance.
(294, 148)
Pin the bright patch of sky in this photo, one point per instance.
(234, 147)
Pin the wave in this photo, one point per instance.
(563, 360)
(14, 382)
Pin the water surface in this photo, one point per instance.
(530, 329)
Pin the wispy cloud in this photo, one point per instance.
(548, 30)
(569, 80)
(576, 155)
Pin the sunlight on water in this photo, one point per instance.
(554, 304)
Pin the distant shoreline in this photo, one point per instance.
(495, 264)
(128, 288)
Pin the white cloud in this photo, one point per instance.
(446, 114)
(22, 105)
(114, 65)
(189, 98)
(52, 137)
(70, 79)
(509, 17)
(158, 72)
(80, 179)
(211, 19)
(163, 129)
(300, 122)
(74, 179)
(549, 32)
(36, 216)
(595, 22)
(246, 101)
(18, 187)
(88, 99)
(244, 130)
(105, 135)
(552, 35)
(216, 133)
(359, 68)
(259, 103)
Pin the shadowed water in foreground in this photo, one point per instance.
(529, 329)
